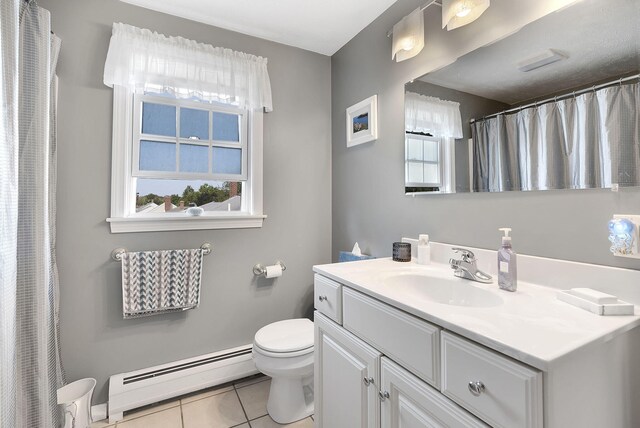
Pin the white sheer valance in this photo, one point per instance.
(430, 115)
(142, 60)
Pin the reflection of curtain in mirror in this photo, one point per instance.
(590, 141)
(430, 115)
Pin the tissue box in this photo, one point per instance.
(348, 256)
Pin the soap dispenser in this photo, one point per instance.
(507, 268)
(424, 250)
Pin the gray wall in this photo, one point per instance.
(471, 107)
(368, 201)
(96, 341)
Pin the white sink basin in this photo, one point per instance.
(448, 291)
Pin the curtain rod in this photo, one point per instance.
(422, 9)
(561, 97)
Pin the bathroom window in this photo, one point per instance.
(428, 165)
(171, 154)
(187, 129)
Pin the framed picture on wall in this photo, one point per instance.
(362, 122)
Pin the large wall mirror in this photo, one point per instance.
(554, 106)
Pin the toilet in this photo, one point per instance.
(284, 351)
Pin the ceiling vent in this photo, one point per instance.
(540, 60)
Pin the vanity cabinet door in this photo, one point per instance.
(346, 378)
(408, 402)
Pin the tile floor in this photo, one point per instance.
(242, 404)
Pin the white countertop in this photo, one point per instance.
(531, 325)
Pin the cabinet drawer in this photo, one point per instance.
(510, 395)
(328, 297)
(408, 340)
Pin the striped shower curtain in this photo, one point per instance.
(30, 369)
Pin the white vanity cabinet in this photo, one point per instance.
(448, 352)
(385, 368)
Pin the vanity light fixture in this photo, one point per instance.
(457, 13)
(408, 36)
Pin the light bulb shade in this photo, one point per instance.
(456, 13)
(408, 36)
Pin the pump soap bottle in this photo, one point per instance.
(507, 268)
(424, 250)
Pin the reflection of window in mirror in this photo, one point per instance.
(429, 163)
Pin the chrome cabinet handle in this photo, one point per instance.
(383, 395)
(367, 381)
(322, 298)
(476, 388)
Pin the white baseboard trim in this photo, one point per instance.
(128, 391)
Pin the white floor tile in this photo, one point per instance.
(254, 398)
(170, 418)
(218, 411)
(267, 422)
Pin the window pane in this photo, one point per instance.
(414, 171)
(414, 149)
(431, 149)
(227, 161)
(431, 174)
(226, 127)
(157, 156)
(194, 123)
(158, 119)
(165, 195)
(194, 158)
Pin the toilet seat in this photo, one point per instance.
(286, 338)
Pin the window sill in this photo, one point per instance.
(172, 223)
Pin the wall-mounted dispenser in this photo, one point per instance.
(623, 235)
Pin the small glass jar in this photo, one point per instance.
(401, 252)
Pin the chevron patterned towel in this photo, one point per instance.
(157, 282)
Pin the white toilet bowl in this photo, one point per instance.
(284, 351)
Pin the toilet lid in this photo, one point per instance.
(286, 336)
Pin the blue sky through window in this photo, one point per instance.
(159, 119)
(225, 127)
(194, 158)
(194, 123)
(157, 156)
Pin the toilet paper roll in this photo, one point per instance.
(273, 271)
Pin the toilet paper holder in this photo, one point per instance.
(261, 270)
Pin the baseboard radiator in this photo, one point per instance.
(142, 387)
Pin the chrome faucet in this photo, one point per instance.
(466, 267)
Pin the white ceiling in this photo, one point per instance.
(319, 26)
(601, 39)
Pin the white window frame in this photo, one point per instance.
(446, 164)
(139, 99)
(123, 182)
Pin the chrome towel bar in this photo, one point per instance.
(116, 254)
